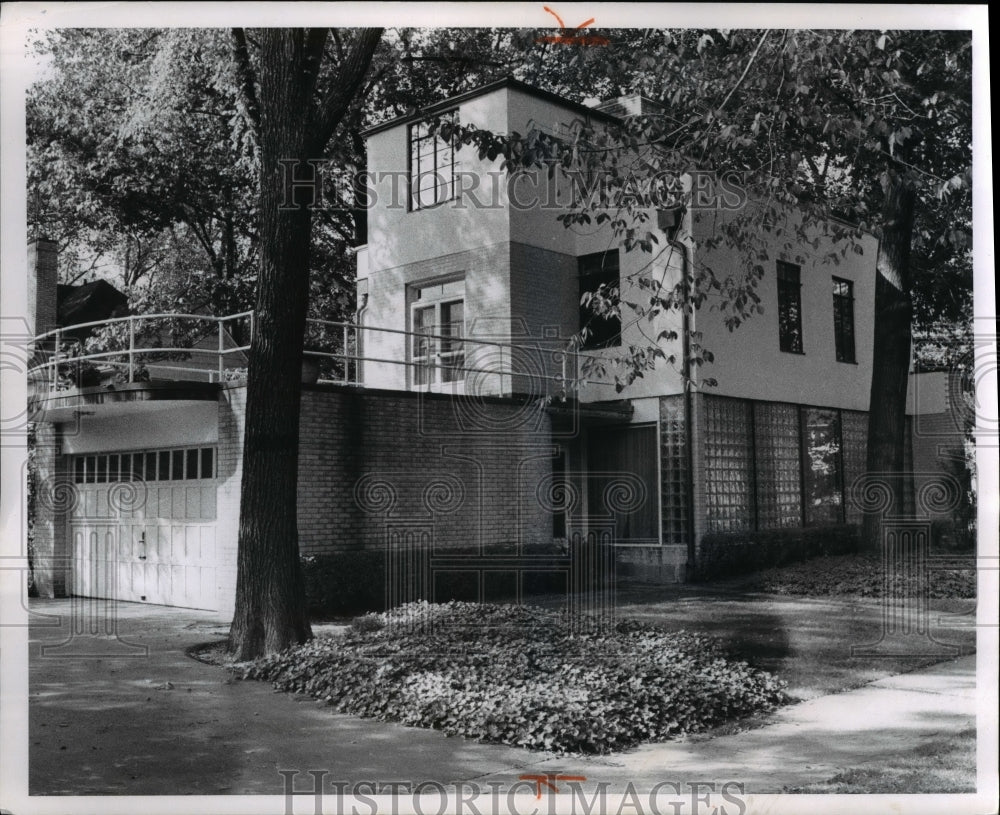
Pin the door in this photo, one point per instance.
(140, 540)
(622, 481)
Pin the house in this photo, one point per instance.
(466, 435)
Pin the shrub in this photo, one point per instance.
(723, 554)
(342, 584)
(524, 676)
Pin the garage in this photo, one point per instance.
(143, 526)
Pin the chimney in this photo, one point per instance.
(42, 281)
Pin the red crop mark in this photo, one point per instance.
(570, 39)
(547, 779)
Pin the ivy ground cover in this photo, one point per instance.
(524, 676)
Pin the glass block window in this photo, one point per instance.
(854, 433)
(154, 465)
(789, 307)
(674, 471)
(729, 481)
(778, 460)
(822, 473)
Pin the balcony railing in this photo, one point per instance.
(190, 347)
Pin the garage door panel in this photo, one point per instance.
(208, 504)
(159, 550)
(192, 503)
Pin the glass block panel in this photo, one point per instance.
(854, 433)
(729, 482)
(778, 464)
(674, 495)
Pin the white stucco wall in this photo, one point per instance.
(748, 360)
(143, 428)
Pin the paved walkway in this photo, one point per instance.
(130, 713)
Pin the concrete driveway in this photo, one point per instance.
(126, 711)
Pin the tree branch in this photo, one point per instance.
(343, 89)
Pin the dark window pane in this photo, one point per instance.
(599, 274)
(91, 469)
(152, 472)
(789, 308)
(207, 468)
(138, 473)
(191, 470)
(843, 319)
(178, 470)
(113, 468)
(79, 468)
(102, 469)
(163, 468)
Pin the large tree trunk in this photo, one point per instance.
(270, 601)
(890, 356)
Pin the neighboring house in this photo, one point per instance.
(464, 438)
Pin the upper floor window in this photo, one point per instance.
(843, 319)
(438, 321)
(432, 164)
(789, 307)
(599, 274)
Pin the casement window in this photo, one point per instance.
(843, 319)
(437, 317)
(599, 273)
(432, 164)
(188, 464)
(789, 308)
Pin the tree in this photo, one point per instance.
(295, 98)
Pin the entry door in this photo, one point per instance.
(622, 480)
(152, 542)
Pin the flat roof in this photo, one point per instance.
(506, 82)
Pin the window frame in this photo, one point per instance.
(443, 367)
(413, 174)
(844, 338)
(790, 295)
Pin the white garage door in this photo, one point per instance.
(143, 528)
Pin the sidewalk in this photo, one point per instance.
(124, 720)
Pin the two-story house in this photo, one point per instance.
(464, 431)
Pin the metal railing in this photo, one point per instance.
(132, 349)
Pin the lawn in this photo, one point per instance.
(943, 765)
(525, 676)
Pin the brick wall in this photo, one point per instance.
(468, 468)
(42, 282)
(55, 497)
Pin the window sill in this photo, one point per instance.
(797, 353)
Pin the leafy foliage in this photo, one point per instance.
(861, 575)
(726, 553)
(524, 676)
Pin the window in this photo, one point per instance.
(438, 320)
(432, 164)
(162, 465)
(789, 308)
(822, 466)
(843, 319)
(599, 273)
